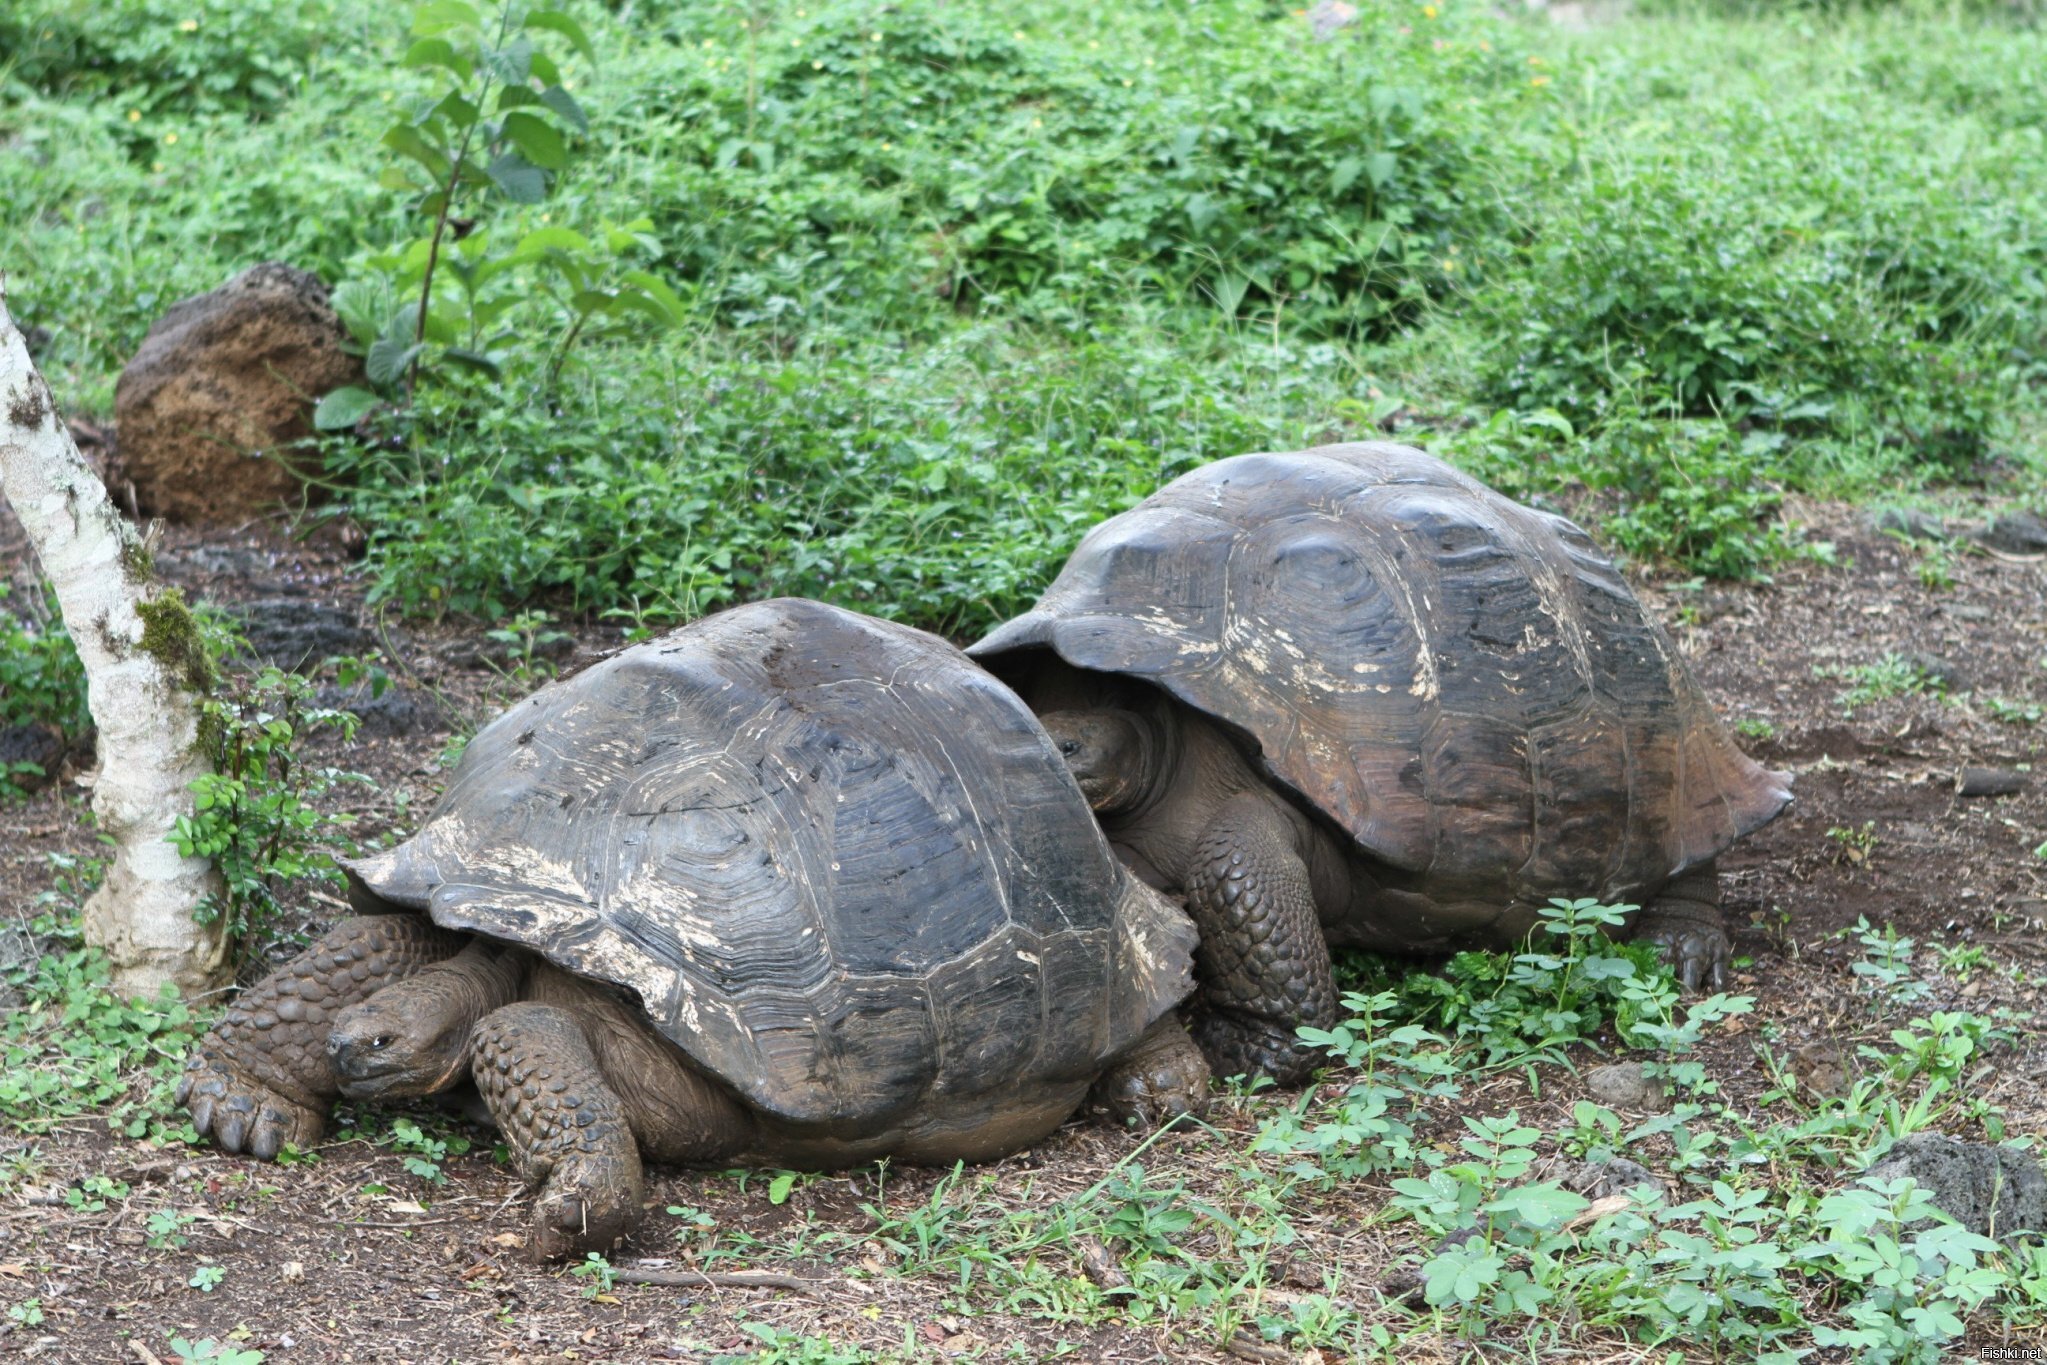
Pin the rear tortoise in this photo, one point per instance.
(1349, 695)
(790, 885)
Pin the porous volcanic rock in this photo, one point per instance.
(1994, 1191)
(222, 380)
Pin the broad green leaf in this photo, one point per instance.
(439, 52)
(359, 304)
(552, 239)
(1461, 1274)
(516, 96)
(563, 103)
(780, 1186)
(588, 301)
(343, 408)
(1540, 1206)
(389, 359)
(409, 141)
(474, 360)
(556, 21)
(1549, 419)
(544, 70)
(1379, 168)
(567, 266)
(518, 179)
(513, 62)
(438, 16)
(1345, 174)
(657, 289)
(445, 326)
(457, 110)
(537, 139)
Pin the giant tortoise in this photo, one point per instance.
(1349, 695)
(788, 885)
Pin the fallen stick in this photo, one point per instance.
(713, 1279)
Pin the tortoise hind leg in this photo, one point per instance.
(1263, 961)
(1686, 924)
(1161, 1079)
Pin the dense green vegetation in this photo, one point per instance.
(949, 282)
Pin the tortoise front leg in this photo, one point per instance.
(260, 1077)
(574, 1134)
(1263, 962)
(1687, 926)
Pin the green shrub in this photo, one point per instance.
(41, 680)
(936, 149)
(260, 815)
(940, 489)
(1764, 291)
(154, 55)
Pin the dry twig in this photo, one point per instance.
(709, 1279)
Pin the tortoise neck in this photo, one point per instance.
(1155, 725)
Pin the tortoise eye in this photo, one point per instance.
(380, 1042)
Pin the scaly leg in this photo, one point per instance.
(1686, 924)
(260, 1077)
(1263, 963)
(567, 1130)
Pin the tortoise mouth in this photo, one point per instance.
(365, 1074)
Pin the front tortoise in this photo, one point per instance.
(1349, 695)
(789, 885)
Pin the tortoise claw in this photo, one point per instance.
(1161, 1081)
(572, 1215)
(1698, 954)
(242, 1115)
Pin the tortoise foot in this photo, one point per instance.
(1687, 927)
(242, 1114)
(1698, 953)
(1157, 1083)
(588, 1204)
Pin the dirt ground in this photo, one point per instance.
(350, 1258)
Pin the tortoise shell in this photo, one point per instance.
(1464, 684)
(842, 867)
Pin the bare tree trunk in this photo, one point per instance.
(141, 656)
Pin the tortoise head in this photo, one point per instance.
(414, 1037)
(1113, 754)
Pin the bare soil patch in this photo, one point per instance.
(350, 1258)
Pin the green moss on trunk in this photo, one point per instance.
(171, 634)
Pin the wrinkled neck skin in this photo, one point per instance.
(1154, 760)
(415, 1036)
